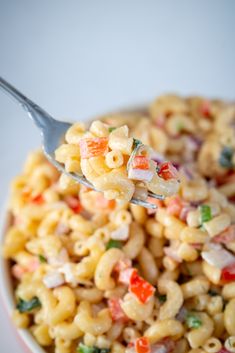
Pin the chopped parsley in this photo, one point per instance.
(111, 129)
(82, 348)
(26, 306)
(42, 259)
(162, 298)
(205, 213)
(114, 244)
(193, 321)
(226, 156)
(136, 143)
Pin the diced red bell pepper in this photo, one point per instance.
(38, 199)
(228, 273)
(116, 311)
(142, 345)
(93, 147)
(167, 171)
(175, 206)
(73, 203)
(126, 274)
(205, 109)
(142, 289)
(140, 162)
(102, 202)
(227, 236)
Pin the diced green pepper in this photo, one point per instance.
(205, 213)
(193, 321)
(114, 244)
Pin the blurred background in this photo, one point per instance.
(78, 58)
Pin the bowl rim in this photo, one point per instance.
(6, 289)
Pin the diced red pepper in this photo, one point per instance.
(93, 147)
(142, 345)
(116, 311)
(38, 199)
(140, 162)
(167, 171)
(142, 289)
(175, 206)
(156, 202)
(228, 273)
(126, 274)
(102, 202)
(73, 203)
(227, 236)
(205, 109)
(18, 271)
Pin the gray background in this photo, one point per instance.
(79, 58)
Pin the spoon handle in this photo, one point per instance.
(40, 117)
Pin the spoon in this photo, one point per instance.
(52, 132)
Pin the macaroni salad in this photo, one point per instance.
(96, 274)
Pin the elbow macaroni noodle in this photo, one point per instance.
(94, 270)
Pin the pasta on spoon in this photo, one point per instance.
(117, 164)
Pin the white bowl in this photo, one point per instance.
(29, 344)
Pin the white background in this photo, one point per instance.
(78, 58)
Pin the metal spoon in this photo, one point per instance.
(52, 132)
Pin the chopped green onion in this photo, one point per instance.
(114, 244)
(226, 156)
(42, 259)
(82, 348)
(193, 321)
(180, 126)
(162, 298)
(111, 129)
(136, 143)
(205, 212)
(26, 306)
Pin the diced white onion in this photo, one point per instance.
(140, 174)
(68, 270)
(53, 279)
(121, 233)
(219, 258)
(60, 259)
(62, 229)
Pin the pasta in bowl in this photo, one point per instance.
(96, 275)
